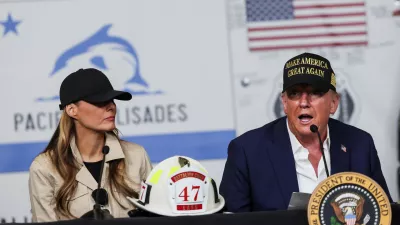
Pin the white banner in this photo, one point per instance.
(171, 55)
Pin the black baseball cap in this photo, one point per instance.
(309, 68)
(90, 85)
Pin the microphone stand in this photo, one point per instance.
(97, 207)
(314, 129)
(97, 213)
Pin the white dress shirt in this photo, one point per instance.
(306, 176)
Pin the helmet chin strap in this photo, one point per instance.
(214, 185)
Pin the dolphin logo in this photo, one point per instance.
(101, 37)
(94, 48)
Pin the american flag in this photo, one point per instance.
(293, 24)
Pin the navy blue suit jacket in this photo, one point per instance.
(260, 172)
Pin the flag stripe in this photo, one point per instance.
(314, 31)
(325, 2)
(307, 36)
(325, 21)
(328, 6)
(327, 25)
(307, 12)
(330, 15)
(359, 43)
(307, 41)
(289, 24)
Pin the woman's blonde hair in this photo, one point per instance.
(62, 158)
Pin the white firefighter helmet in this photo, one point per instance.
(179, 186)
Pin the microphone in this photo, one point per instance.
(314, 129)
(100, 196)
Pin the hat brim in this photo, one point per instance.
(162, 212)
(313, 80)
(108, 96)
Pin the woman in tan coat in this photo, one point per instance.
(64, 176)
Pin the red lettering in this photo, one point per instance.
(197, 192)
(185, 194)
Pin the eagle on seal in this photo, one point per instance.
(348, 208)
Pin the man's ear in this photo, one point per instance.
(284, 102)
(334, 102)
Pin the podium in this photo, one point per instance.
(289, 217)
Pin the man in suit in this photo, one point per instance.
(266, 165)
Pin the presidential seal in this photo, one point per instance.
(349, 199)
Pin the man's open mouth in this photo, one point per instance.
(304, 118)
